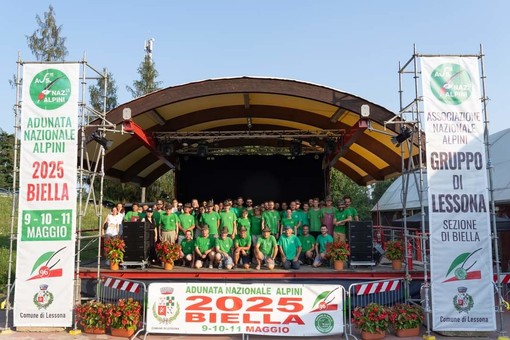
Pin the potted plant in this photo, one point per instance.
(395, 253)
(168, 253)
(114, 251)
(92, 316)
(372, 320)
(406, 319)
(338, 252)
(123, 317)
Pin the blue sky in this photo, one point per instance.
(354, 46)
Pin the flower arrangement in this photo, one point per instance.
(124, 315)
(394, 250)
(405, 316)
(168, 252)
(373, 318)
(338, 251)
(91, 314)
(114, 249)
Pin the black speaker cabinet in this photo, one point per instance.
(135, 237)
(361, 243)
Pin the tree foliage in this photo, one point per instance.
(47, 42)
(162, 188)
(379, 189)
(341, 185)
(147, 82)
(6, 159)
(97, 95)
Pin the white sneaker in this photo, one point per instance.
(210, 266)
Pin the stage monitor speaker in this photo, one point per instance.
(135, 237)
(361, 243)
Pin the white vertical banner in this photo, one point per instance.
(47, 196)
(459, 222)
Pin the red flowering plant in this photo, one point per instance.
(373, 318)
(124, 315)
(405, 316)
(394, 250)
(114, 250)
(168, 252)
(92, 314)
(338, 251)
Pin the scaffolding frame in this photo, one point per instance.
(413, 110)
(90, 172)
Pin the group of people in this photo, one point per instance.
(233, 234)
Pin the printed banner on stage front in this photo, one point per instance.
(459, 222)
(47, 196)
(232, 308)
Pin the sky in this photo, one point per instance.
(352, 46)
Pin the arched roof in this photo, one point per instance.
(271, 104)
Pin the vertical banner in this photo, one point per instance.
(232, 308)
(47, 196)
(459, 222)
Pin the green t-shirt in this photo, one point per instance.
(315, 219)
(187, 221)
(188, 246)
(244, 222)
(289, 245)
(271, 219)
(211, 220)
(157, 217)
(291, 222)
(225, 245)
(227, 219)
(204, 243)
(256, 225)
(340, 216)
(266, 245)
(132, 216)
(322, 241)
(307, 242)
(169, 222)
(303, 218)
(243, 242)
(352, 211)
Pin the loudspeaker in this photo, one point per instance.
(361, 243)
(135, 237)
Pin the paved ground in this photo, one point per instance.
(64, 335)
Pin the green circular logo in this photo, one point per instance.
(451, 84)
(324, 323)
(50, 89)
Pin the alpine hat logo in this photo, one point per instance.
(451, 84)
(50, 89)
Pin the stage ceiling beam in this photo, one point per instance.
(350, 137)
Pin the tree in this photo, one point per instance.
(147, 82)
(47, 43)
(97, 99)
(6, 159)
(379, 189)
(341, 185)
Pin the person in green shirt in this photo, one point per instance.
(169, 226)
(352, 210)
(289, 221)
(212, 219)
(256, 225)
(308, 243)
(271, 219)
(342, 216)
(244, 221)
(290, 249)
(320, 246)
(266, 249)
(242, 244)
(314, 216)
(204, 249)
(228, 219)
(187, 221)
(133, 215)
(224, 246)
(188, 249)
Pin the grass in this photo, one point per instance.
(88, 246)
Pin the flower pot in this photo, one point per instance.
(122, 332)
(169, 265)
(372, 336)
(114, 266)
(406, 333)
(93, 330)
(338, 264)
(396, 264)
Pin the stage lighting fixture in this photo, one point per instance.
(295, 148)
(202, 150)
(330, 146)
(404, 134)
(249, 122)
(185, 143)
(168, 149)
(365, 111)
(105, 143)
